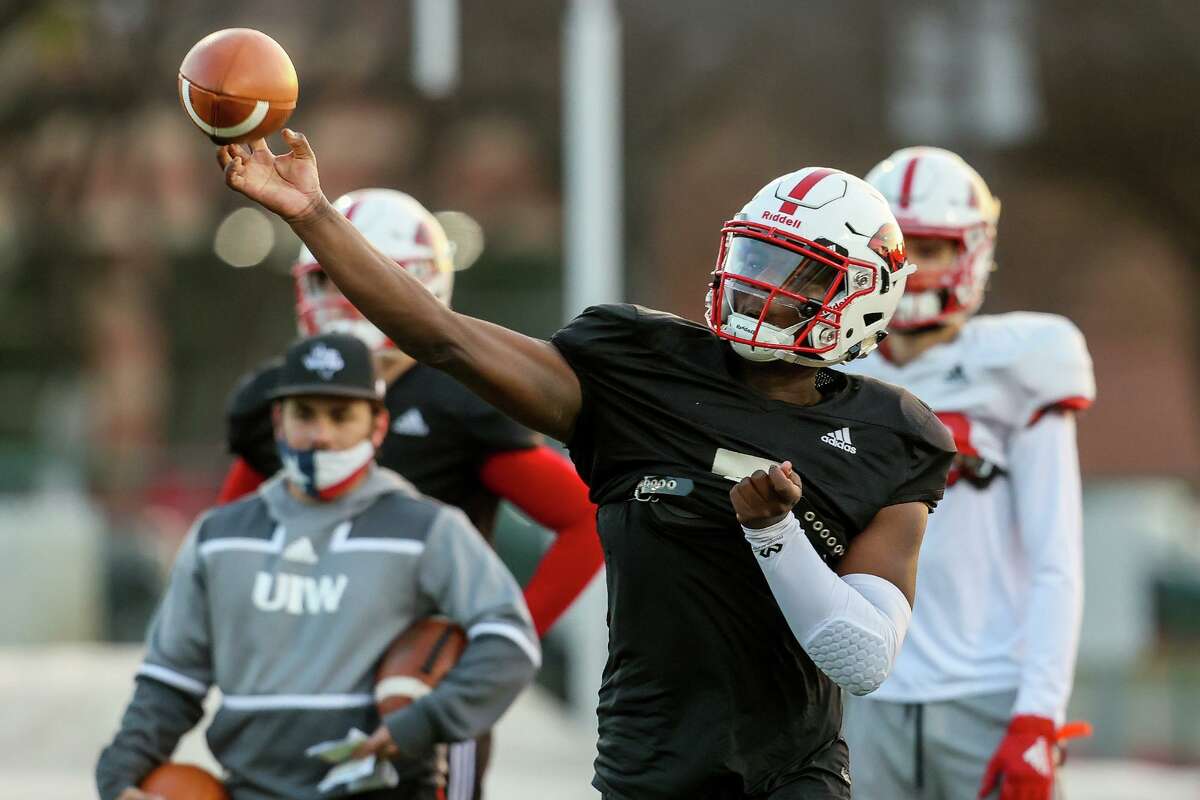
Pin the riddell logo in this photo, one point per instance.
(783, 219)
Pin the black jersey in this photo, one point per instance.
(440, 435)
(706, 692)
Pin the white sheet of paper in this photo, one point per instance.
(336, 751)
(384, 777)
(734, 466)
(347, 773)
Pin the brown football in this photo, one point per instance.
(238, 85)
(416, 661)
(184, 782)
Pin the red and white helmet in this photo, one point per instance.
(934, 193)
(817, 252)
(399, 227)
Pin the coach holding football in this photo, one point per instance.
(286, 599)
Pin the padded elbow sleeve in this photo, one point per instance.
(851, 627)
(858, 647)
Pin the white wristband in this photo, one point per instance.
(772, 537)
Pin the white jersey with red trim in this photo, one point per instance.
(999, 581)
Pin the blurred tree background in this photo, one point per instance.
(117, 321)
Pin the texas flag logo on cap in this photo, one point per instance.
(324, 361)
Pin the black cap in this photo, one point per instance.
(330, 364)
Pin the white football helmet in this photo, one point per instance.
(934, 193)
(399, 227)
(809, 272)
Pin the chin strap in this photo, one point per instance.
(747, 327)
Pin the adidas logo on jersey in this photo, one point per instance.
(411, 423)
(840, 439)
(300, 551)
(957, 374)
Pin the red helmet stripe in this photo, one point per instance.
(423, 235)
(803, 187)
(906, 186)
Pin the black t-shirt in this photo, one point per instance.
(706, 692)
(440, 435)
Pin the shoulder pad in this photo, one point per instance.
(1043, 357)
(597, 328)
(651, 314)
(430, 384)
(895, 407)
(620, 310)
(923, 425)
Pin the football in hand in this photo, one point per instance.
(183, 782)
(238, 85)
(416, 661)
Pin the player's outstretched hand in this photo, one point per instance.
(765, 498)
(286, 184)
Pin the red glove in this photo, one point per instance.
(1023, 765)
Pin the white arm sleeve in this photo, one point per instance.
(1044, 464)
(851, 627)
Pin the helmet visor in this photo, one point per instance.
(795, 283)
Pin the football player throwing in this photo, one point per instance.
(725, 658)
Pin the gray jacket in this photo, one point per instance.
(286, 607)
